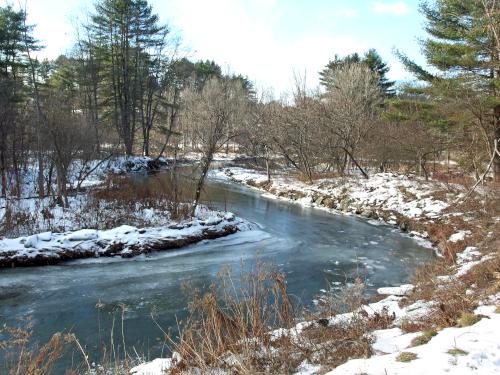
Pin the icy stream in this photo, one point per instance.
(312, 247)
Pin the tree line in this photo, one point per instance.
(125, 88)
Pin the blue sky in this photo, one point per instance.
(267, 40)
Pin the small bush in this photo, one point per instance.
(406, 357)
(457, 352)
(234, 319)
(467, 319)
(424, 338)
(22, 356)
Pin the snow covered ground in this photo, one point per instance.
(408, 196)
(39, 231)
(124, 241)
(469, 350)
(473, 349)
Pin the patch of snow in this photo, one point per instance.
(402, 290)
(306, 368)
(392, 340)
(459, 236)
(83, 235)
(156, 367)
(477, 351)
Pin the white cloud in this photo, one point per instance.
(397, 8)
(225, 31)
(258, 38)
(346, 12)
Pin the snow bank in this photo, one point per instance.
(410, 197)
(468, 350)
(125, 241)
(401, 290)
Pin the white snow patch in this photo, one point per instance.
(401, 290)
(479, 343)
(156, 367)
(459, 236)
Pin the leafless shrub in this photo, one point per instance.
(249, 327)
(21, 356)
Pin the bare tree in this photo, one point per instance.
(214, 114)
(68, 134)
(350, 107)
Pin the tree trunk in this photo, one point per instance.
(206, 161)
(4, 174)
(61, 185)
(365, 175)
(496, 160)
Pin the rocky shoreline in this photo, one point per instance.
(419, 208)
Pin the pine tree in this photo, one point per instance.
(16, 40)
(371, 58)
(126, 35)
(464, 47)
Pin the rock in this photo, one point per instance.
(329, 202)
(323, 322)
(344, 204)
(404, 225)
(319, 200)
(295, 194)
(367, 212)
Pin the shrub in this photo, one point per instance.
(406, 357)
(468, 319)
(457, 352)
(232, 328)
(22, 356)
(424, 338)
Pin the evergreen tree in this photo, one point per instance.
(15, 41)
(464, 47)
(15, 38)
(125, 34)
(371, 58)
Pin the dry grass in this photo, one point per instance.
(121, 200)
(467, 319)
(22, 356)
(455, 178)
(64, 353)
(457, 352)
(232, 327)
(231, 319)
(457, 298)
(424, 338)
(406, 357)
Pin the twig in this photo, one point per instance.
(481, 179)
(73, 336)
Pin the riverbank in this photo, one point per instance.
(124, 241)
(427, 209)
(109, 213)
(447, 321)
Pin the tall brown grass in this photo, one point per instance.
(249, 326)
(23, 357)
